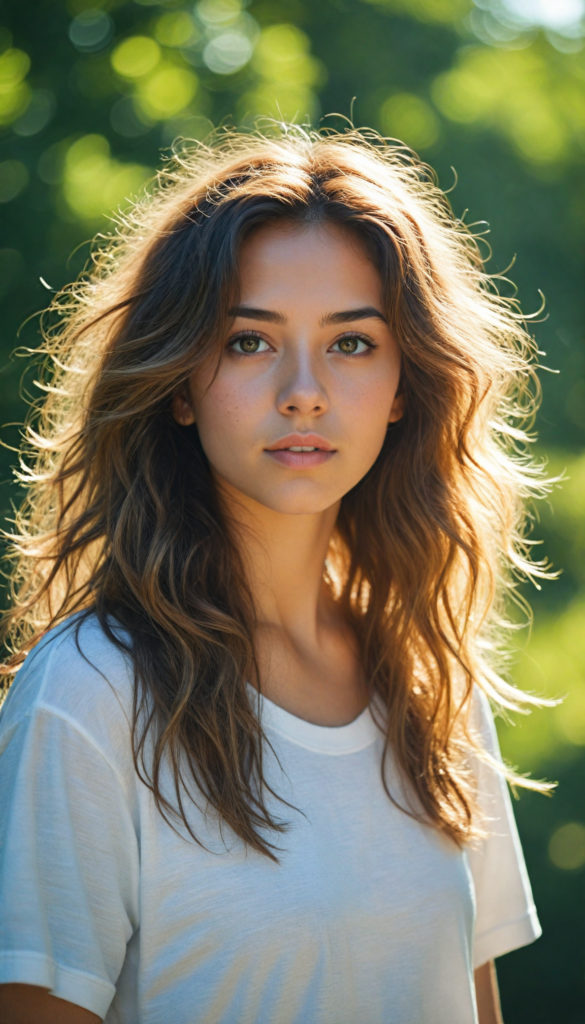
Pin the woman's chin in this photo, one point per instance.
(297, 498)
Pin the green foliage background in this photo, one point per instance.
(90, 90)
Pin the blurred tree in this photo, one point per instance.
(91, 90)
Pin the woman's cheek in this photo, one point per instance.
(226, 426)
(369, 405)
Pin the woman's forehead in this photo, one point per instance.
(302, 262)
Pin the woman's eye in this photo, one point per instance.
(351, 345)
(249, 345)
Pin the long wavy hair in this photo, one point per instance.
(123, 520)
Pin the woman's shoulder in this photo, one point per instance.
(78, 674)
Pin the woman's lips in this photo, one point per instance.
(300, 460)
(291, 450)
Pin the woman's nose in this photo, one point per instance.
(302, 391)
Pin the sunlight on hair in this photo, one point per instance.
(122, 516)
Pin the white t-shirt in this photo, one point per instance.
(368, 916)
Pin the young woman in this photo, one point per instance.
(250, 772)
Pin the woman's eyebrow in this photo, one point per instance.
(344, 316)
(347, 315)
(253, 313)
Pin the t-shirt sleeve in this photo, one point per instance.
(505, 913)
(68, 862)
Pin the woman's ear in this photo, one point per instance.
(182, 407)
(397, 410)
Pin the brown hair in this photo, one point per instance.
(122, 517)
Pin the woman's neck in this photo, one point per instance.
(306, 652)
(283, 557)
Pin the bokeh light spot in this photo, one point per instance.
(93, 182)
(15, 93)
(13, 179)
(286, 75)
(281, 49)
(553, 14)
(566, 848)
(136, 57)
(227, 52)
(38, 113)
(218, 13)
(167, 92)
(51, 163)
(571, 718)
(90, 30)
(176, 28)
(125, 120)
(14, 66)
(512, 92)
(411, 119)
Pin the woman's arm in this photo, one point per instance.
(487, 994)
(25, 1004)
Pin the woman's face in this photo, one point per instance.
(307, 382)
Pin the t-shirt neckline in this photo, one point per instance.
(323, 739)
